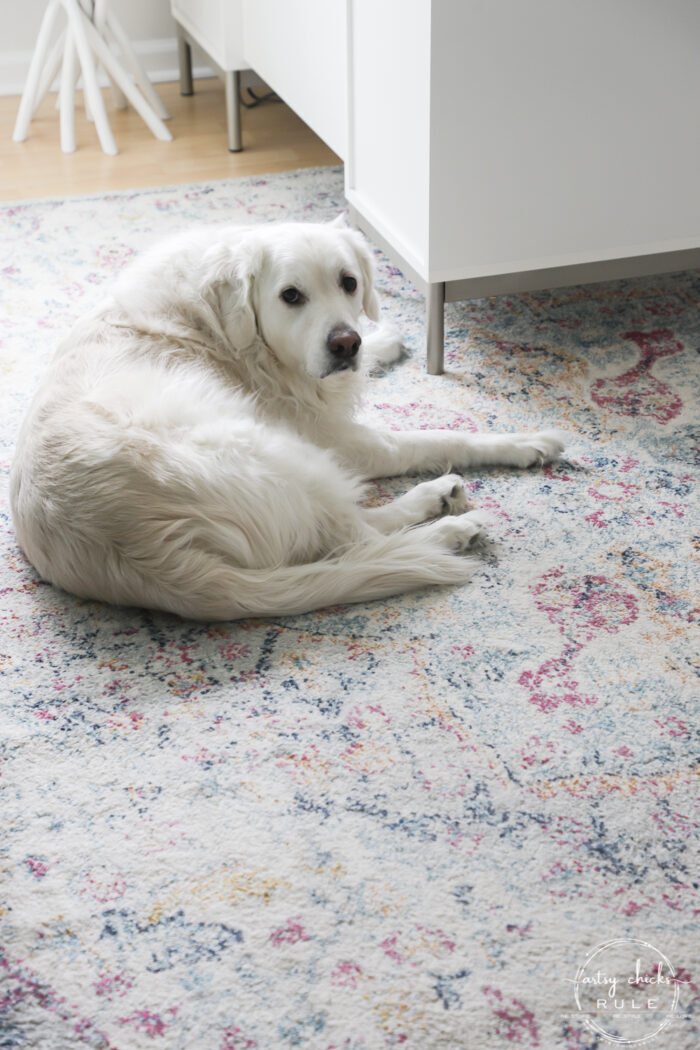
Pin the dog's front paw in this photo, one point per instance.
(384, 348)
(532, 450)
(437, 498)
(459, 533)
(453, 497)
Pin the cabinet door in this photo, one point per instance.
(217, 26)
(562, 132)
(298, 47)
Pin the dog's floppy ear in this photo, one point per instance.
(227, 289)
(365, 261)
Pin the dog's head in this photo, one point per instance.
(301, 289)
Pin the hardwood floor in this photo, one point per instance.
(274, 139)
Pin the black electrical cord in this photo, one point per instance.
(269, 96)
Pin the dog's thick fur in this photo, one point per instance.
(194, 446)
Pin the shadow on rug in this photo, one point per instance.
(407, 823)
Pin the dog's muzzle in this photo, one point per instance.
(343, 345)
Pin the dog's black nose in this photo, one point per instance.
(343, 343)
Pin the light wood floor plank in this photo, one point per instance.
(274, 139)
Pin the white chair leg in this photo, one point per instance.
(83, 34)
(130, 89)
(26, 106)
(86, 102)
(147, 89)
(50, 71)
(67, 96)
(100, 20)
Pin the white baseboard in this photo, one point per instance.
(158, 57)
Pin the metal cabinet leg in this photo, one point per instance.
(184, 56)
(435, 310)
(233, 110)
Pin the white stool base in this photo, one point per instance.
(75, 51)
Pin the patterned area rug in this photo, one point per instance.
(407, 823)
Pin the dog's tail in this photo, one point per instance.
(380, 566)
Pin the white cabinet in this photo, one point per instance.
(298, 47)
(390, 147)
(217, 26)
(505, 145)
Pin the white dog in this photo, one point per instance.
(194, 448)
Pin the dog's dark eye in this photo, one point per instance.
(349, 284)
(293, 296)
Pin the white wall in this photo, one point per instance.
(148, 23)
(19, 22)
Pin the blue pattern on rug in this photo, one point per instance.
(403, 823)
